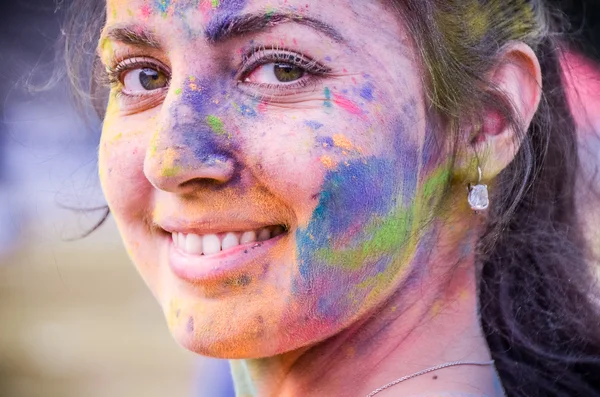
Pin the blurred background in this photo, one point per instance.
(75, 318)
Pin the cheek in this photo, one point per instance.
(121, 156)
(285, 158)
(359, 236)
(362, 230)
(292, 151)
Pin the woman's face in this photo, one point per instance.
(269, 164)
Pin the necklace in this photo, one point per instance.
(426, 371)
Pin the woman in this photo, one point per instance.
(304, 187)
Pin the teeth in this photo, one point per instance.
(229, 241)
(264, 234)
(193, 244)
(209, 244)
(248, 237)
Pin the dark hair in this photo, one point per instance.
(536, 288)
(538, 303)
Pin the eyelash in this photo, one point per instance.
(114, 73)
(253, 59)
(260, 56)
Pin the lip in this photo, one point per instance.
(211, 227)
(223, 265)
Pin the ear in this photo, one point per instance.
(495, 142)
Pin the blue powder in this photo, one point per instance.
(327, 102)
(162, 5)
(325, 141)
(247, 111)
(227, 11)
(366, 91)
(350, 196)
(313, 125)
(193, 132)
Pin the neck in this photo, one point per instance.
(431, 320)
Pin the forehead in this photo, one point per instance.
(353, 17)
(173, 7)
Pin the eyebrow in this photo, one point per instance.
(222, 28)
(225, 27)
(133, 35)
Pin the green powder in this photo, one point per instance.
(171, 171)
(216, 124)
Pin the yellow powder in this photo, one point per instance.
(328, 162)
(342, 141)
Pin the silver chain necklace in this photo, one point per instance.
(426, 371)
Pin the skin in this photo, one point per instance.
(374, 278)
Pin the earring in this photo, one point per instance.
(478, 195)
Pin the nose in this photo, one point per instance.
(183, 156)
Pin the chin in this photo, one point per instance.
(240, 339)
(220, 332)
(228, 344)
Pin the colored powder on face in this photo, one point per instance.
(363, 233)
(434, 183)
(178, 91)
(325, 141)
(261, 107)
(387, 235)
(247, 111)
(171, 171)
(146, 11)
(346, 104)
(350, 246)
(313, 125)
(327, 102)
(196, 126)
(116, 138)
(270, 11)
(351, 196)
(107, 48)
(170, 159)
(173, 313)
(328, 162)
(343, 142)
(227, 9)
(216, 124)
(233, 5)
(190, 325)
(198, 94)
(215, 3)
(366, 92)
(154, 143)
(162, 6)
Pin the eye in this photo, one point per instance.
(275, 73)
(141, 80)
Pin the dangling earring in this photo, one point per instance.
(478, 195)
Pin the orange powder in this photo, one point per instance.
(328, 162)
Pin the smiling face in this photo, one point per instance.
(269, 164)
